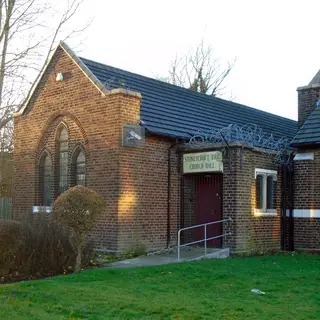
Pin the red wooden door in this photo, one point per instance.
(209, 207)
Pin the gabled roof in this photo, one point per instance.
(178, 112)
(309, 134)
(173, 111)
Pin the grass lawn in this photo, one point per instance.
(211, 289)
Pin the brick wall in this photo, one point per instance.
(307, 196)
(132, 181)
(143, 199)
(307, 99)
(189, 201)
(265, 232)
(250, 233)
(306, 233)
(307, 182)
(90, 119)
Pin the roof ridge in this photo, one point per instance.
(189, 91)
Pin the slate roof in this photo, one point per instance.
(315, 80)
(177, 112)
(309, 134)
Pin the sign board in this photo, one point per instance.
(202, 162)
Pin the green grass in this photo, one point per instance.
(211, 289)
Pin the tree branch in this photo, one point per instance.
(198, 70)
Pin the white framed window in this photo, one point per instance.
(266, 192)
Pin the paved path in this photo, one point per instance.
(169, 257)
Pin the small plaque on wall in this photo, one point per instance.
(202, 162)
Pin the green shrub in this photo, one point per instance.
(78, 208)
(39, 247)
(10, 241)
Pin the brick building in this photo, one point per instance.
(305, 211)
(77, 128)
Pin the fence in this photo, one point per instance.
(6, 208)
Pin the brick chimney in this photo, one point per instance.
(307, 99)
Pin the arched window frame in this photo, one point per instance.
(78, 173)
(46, 179)
(62, 171)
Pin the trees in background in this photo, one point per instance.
(29, 32)
(199, 70)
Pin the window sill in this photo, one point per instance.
(268, 213)
(42, 209)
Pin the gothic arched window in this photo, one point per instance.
(46, 179)
(79, 168)
(63, 160)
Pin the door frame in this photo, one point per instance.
(194, 176)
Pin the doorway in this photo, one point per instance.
(208, 207)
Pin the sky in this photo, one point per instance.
(275, 43)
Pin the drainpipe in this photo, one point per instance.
(169, 194)
(291, 201)
(180, 223)
(287, 203)
(284, 206)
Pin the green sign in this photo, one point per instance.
(202, 162)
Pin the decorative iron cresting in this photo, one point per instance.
(251, 136)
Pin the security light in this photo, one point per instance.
(59, 77)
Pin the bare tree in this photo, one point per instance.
(200, 71)
(29, 31)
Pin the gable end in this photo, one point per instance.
(87, 72)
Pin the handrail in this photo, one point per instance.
(205, 235)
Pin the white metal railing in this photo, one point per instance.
(205, 239)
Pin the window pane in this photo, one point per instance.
(274, 194)
(63, 161)
(271, 193)
(259, 192)
(63, 135)
(81, 169)
(46, 192)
